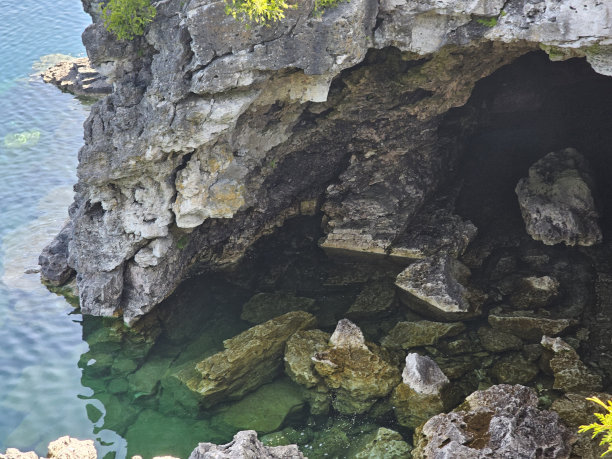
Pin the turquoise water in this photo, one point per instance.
(40, 134)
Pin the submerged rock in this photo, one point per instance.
(300, 350)
(571, 374)
(264, 410)
(249, 360)
(357, 374)
(376, 299)
(502, 421)
(387, 444)
(498, 341)
(534, 292)
(406, 335)
(433, 287)
(556, 200)
(514, 369)
(245, 445)
(528, 325)
(266, 306)
(422, 393)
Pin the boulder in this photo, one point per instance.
(527, 325)
(54, 259)
(502, 421)
(249, 360)
(374, 300)
(571, 374)
(433, 287)
(498, 341)
(422, 393)
(245, 445)
(357, 374)
(406, 335)
(534, 292)
(386, 444)
(13, 453)
(556, 200)
(71, 448)
(266, 306)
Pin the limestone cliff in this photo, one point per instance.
(216, 133)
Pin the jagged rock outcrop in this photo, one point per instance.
(77, 77)
(245, 445)
(62, 448)
(502, 421)
(217, 133)
(557, 202)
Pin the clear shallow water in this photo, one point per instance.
(40, 134)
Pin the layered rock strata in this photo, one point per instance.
(77, 77)
(216, 133)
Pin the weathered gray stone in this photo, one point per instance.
(556, 200)
(406, 335)
(249, 360)
(527, 325)
(433, 287)
(357, 374)
(245, 445)
(77, 77)
(422, 393)
(266, 306)
(54, 258)
(571, 374)
(502, 421)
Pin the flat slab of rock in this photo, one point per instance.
(245, 445)
(266, 306)
(77, 77)
(250, 359)
(528, 326)
(502, 421)
(556, 200)
(406, 335)
(433, 287)
(386, 444)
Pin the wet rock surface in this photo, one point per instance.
(249, 360)
(406, 335)
(245, 444)
(557, 201)
(266, 306)
(502, 421)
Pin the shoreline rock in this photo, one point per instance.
(78, 77)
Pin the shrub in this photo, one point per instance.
(258, 11)
(127, 19)
(605, 427)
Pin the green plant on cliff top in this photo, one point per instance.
(605, 426)
(127, 19)
(258, 11)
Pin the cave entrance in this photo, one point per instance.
(524, 111)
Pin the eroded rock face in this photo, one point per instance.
(215, 133)
(502, 421)
(77, 77)
(556, 200)
(245, 444)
